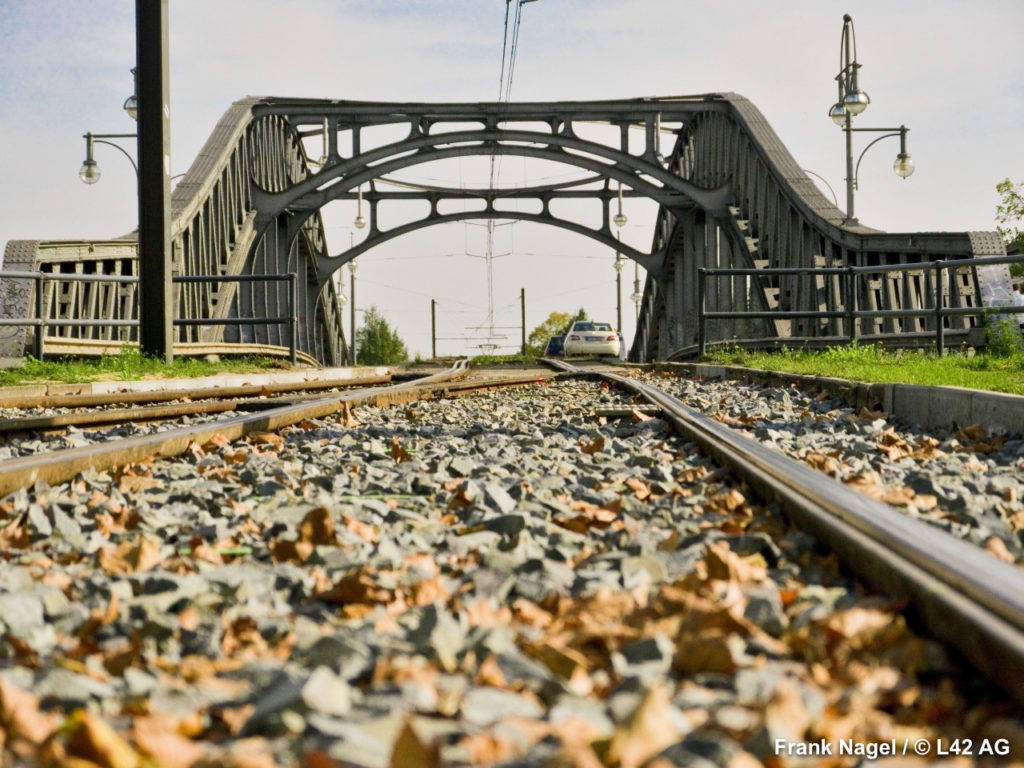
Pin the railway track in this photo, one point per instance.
(967, 599)
(407, 570)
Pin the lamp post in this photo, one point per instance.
(636, 297)
(352, 267)
(852, 101)
(90, 170)
(619, 264)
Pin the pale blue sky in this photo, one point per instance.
(951, 71)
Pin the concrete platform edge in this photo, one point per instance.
(925, 406)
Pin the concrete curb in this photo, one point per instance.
(925, 406)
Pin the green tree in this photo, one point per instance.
(377, 343)
(1010, 218)
(556, 325)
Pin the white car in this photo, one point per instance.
(587, 337)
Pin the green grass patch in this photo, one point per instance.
(998, 373)
(516, 359)
(130, 364)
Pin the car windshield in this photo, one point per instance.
(586, 326)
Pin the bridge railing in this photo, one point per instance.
(933, 312)
(43, 317)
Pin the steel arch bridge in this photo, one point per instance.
(728, 192)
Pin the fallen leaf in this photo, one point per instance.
(20, 717)
(648, 730)
(996, 546)
(317, 528)
(590, 447)
(130, 556)
(160, 738)
(271, 439)
(90, 738)
(639, 416)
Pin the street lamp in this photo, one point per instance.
(852, 101)
(620, 218)
(131, 104)
(90, 170)
(360, 221)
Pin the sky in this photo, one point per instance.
(953, 72)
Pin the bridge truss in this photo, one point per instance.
(728, 193)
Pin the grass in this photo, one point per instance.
(516, 359)
(996, 372)
(128, 365)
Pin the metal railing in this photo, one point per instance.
(850, 312)
(40, 321)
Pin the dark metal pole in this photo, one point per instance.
(352, 291)
(851, 304)
(702, 279)
(848, 129)
(40, 316)
(156, 305)
(293, 317)
(433, 329)
(522, 312)
(618, 298)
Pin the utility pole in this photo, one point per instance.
(522, 314)
(433, 329)
(156, 296)
(352, 266)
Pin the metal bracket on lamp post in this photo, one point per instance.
(852, 101)
(90, 172)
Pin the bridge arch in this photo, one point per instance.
(729, 194)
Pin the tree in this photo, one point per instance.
(377, 343)
(557, 324)
(1010, 214)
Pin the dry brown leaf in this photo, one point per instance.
(899, 497)
(429, 591)
(489, 749)
(363, 530)
(822, 463)
(90, 738)
(996, 546)
(590, 447)
(786, 713)
(317, 528)
(20, 717)
(348, 419)
(640, 489)
(706, 652)
(893, 446)
(645, 732)
(215, 443)
(290, 551)
(270, 439)
(398, 451)
(483, 613)
(159, 737)
(489, 673)
(725, 501)
(130, 556)
(639, 416)
(14, 535)
(726, 565)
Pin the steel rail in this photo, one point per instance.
(961, 595)
(163, 395)
(63, 465)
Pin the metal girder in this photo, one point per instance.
(652, 262)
